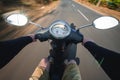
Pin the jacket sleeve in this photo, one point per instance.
(10, 48)
(72, 72)
(108, 59)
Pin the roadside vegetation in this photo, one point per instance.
(111, 4)
(105, 7)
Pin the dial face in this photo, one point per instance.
(59, 30)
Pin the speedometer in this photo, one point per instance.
(60, 29)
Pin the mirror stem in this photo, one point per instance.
(88, 25)
(35, 24)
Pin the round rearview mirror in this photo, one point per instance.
(17, 19)
(105, 22)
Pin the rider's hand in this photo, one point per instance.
(42, 37)
(32, 36)
(86, 40)
(44, 63)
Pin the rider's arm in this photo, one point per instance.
(108, 59)
(72, 71)
(99, 52)
(10, 48)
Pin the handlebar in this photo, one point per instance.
(74, 37)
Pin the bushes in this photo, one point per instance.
(44, 1)
(93, 1)
(112, 4)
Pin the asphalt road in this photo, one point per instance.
(22, 66)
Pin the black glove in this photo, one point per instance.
(75, 37)
(43, 37)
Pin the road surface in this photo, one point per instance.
(22, 66)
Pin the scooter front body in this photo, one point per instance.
(60, 51)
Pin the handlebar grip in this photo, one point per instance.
(42, 37)
(75, 37)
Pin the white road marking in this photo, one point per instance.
(73, 5)
(83, 15)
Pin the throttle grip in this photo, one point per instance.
(75, 36)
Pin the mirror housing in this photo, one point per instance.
(105, 22)
(17, 19)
